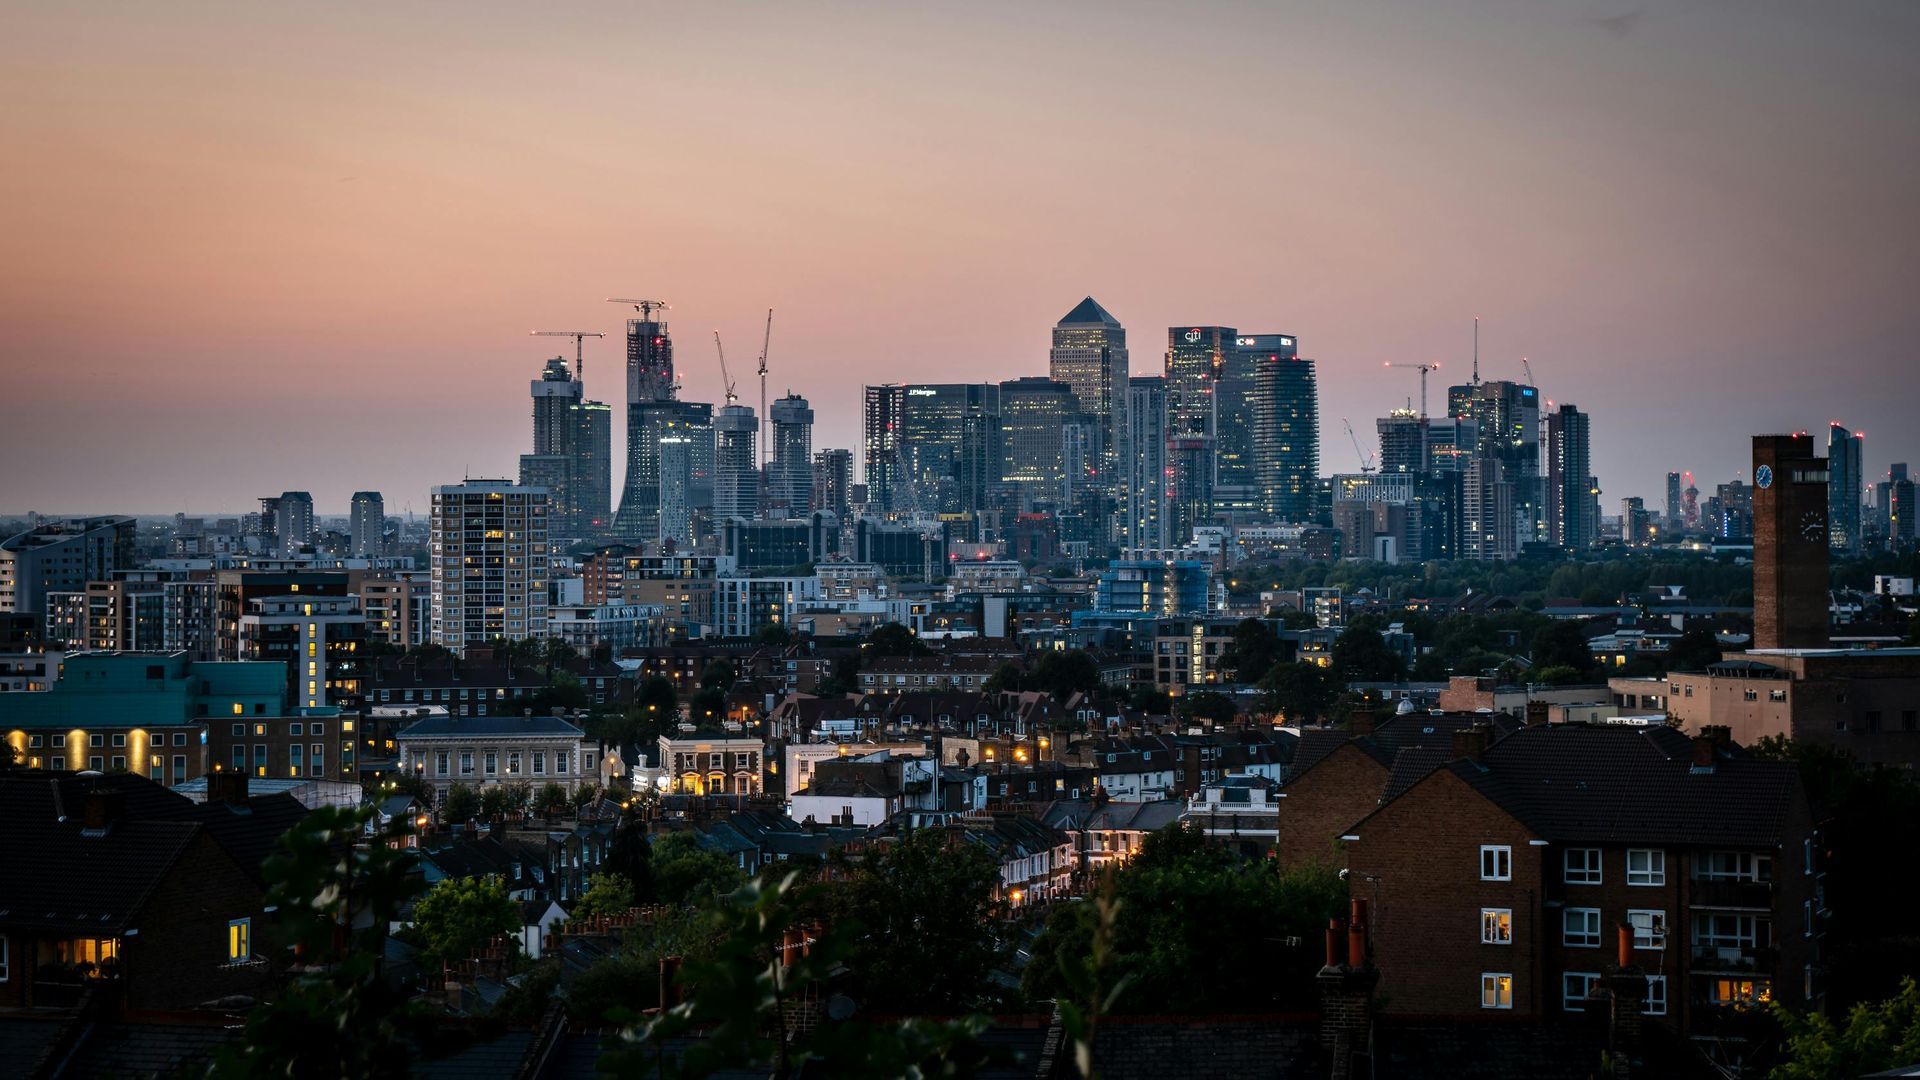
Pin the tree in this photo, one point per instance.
(563, 691)
(1005, 679)
(774, 634)
(719, 674)
(1299, 692)
(461, 804)
(1875, 1036)
(924, 912)
(738, 1003)
(686, 873)
(460, 917)
(1360, 653)
(894, 639)
(631, 856)
(552, 800)
(709, 706)
(607, 894)
(334, 897)
(1207, 705)
(1179, 935)
(1063, 674)
(1563, 643)
(1253, 650)
(1694, 651)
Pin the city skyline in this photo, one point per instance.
(293, 254)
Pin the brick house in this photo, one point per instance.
(115, 885)
(1499, 877)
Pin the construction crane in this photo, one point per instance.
(1366, 459)
(646, 308)
(724, 377)
(765, 419)
(1528, 368)
(579, 363)
(1423, 369)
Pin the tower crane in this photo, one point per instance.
(765, 419)
(1423, 369)
(579, 364)
(646, 308)
(724, 377)
(1528, 368)
(1366, 459)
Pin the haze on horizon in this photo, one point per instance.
(254, 248)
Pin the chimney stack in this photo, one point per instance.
(1346, 997)
(101, 809)
(1703, 748)
(1536, 713)
(1471, 741)
(1623, 993)
(227, 787)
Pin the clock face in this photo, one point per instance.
(1763, 476)
(1813, 525)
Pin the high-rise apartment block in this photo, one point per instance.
(1572, 495)
(292, 520)
(1036, 415)
(572, 451)
(832, 482)
(1846, 485)
(1790, 549)
(62, 556)
(367, 524)
(1145, 523)
(884, 413)
(790, 474)
(1283, 409)
(736, 483)
(489, 562)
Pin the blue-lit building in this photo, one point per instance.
(1154, 588)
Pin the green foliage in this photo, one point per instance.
(500, 800)
(322, 886)
(1091, 996)
(460, 917)
(1063, 674)
(719, 674)
(894, 639)
(607, 894)
(686, 873)
(1562, 643)
(921, 914)
(1206, 705)
(774, 634)
(1180, 936)
(736, 1001)
(631, 856)
(1361, 654)
(552, 799)
(1558, 675)
(1005, 679)
(462, 804)
(564, 690)
(1864, 814)
(1301, 693)
(707, 706)
(401, 782)
(1150, 699)
(630, 982)
(1254, 650)
(1875, 1036)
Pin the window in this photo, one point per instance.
(1656, 995)
(294, 729)
(1496, 990)
(1576, 987)
(1496, 862)
(513, 763)
(59, 741)
(1580, 928)
(466, 763)
(239, 731)
(1646, 866)
(120, 738)
(1776, 695)
(493, 763)
(440, 761)
(179, 738)
(1649, 928)
(1733, 866)
(57, 762)
(96, 763)
(316, 765)
(119, 763)
(1496, 926)
(539, 763)
(1740, 991)
(1583, 866)
(239, 941)
(95, 740)
(1730, 930)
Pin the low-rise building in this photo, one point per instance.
(713, 763)
(481, 751)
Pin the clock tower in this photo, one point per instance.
(1789, 543)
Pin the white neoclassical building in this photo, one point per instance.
(482, 750)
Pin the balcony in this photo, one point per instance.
(1733, 893)
(1735, 960)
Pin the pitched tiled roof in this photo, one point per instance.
(1607, 784)
(490, 726)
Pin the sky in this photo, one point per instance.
(255, 247)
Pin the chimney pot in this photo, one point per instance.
(1357, 936)
(1623, 946)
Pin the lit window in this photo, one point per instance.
(239, 941)
(1496, 990)
(1496, 926)
(238, 709)
(1496, 863)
